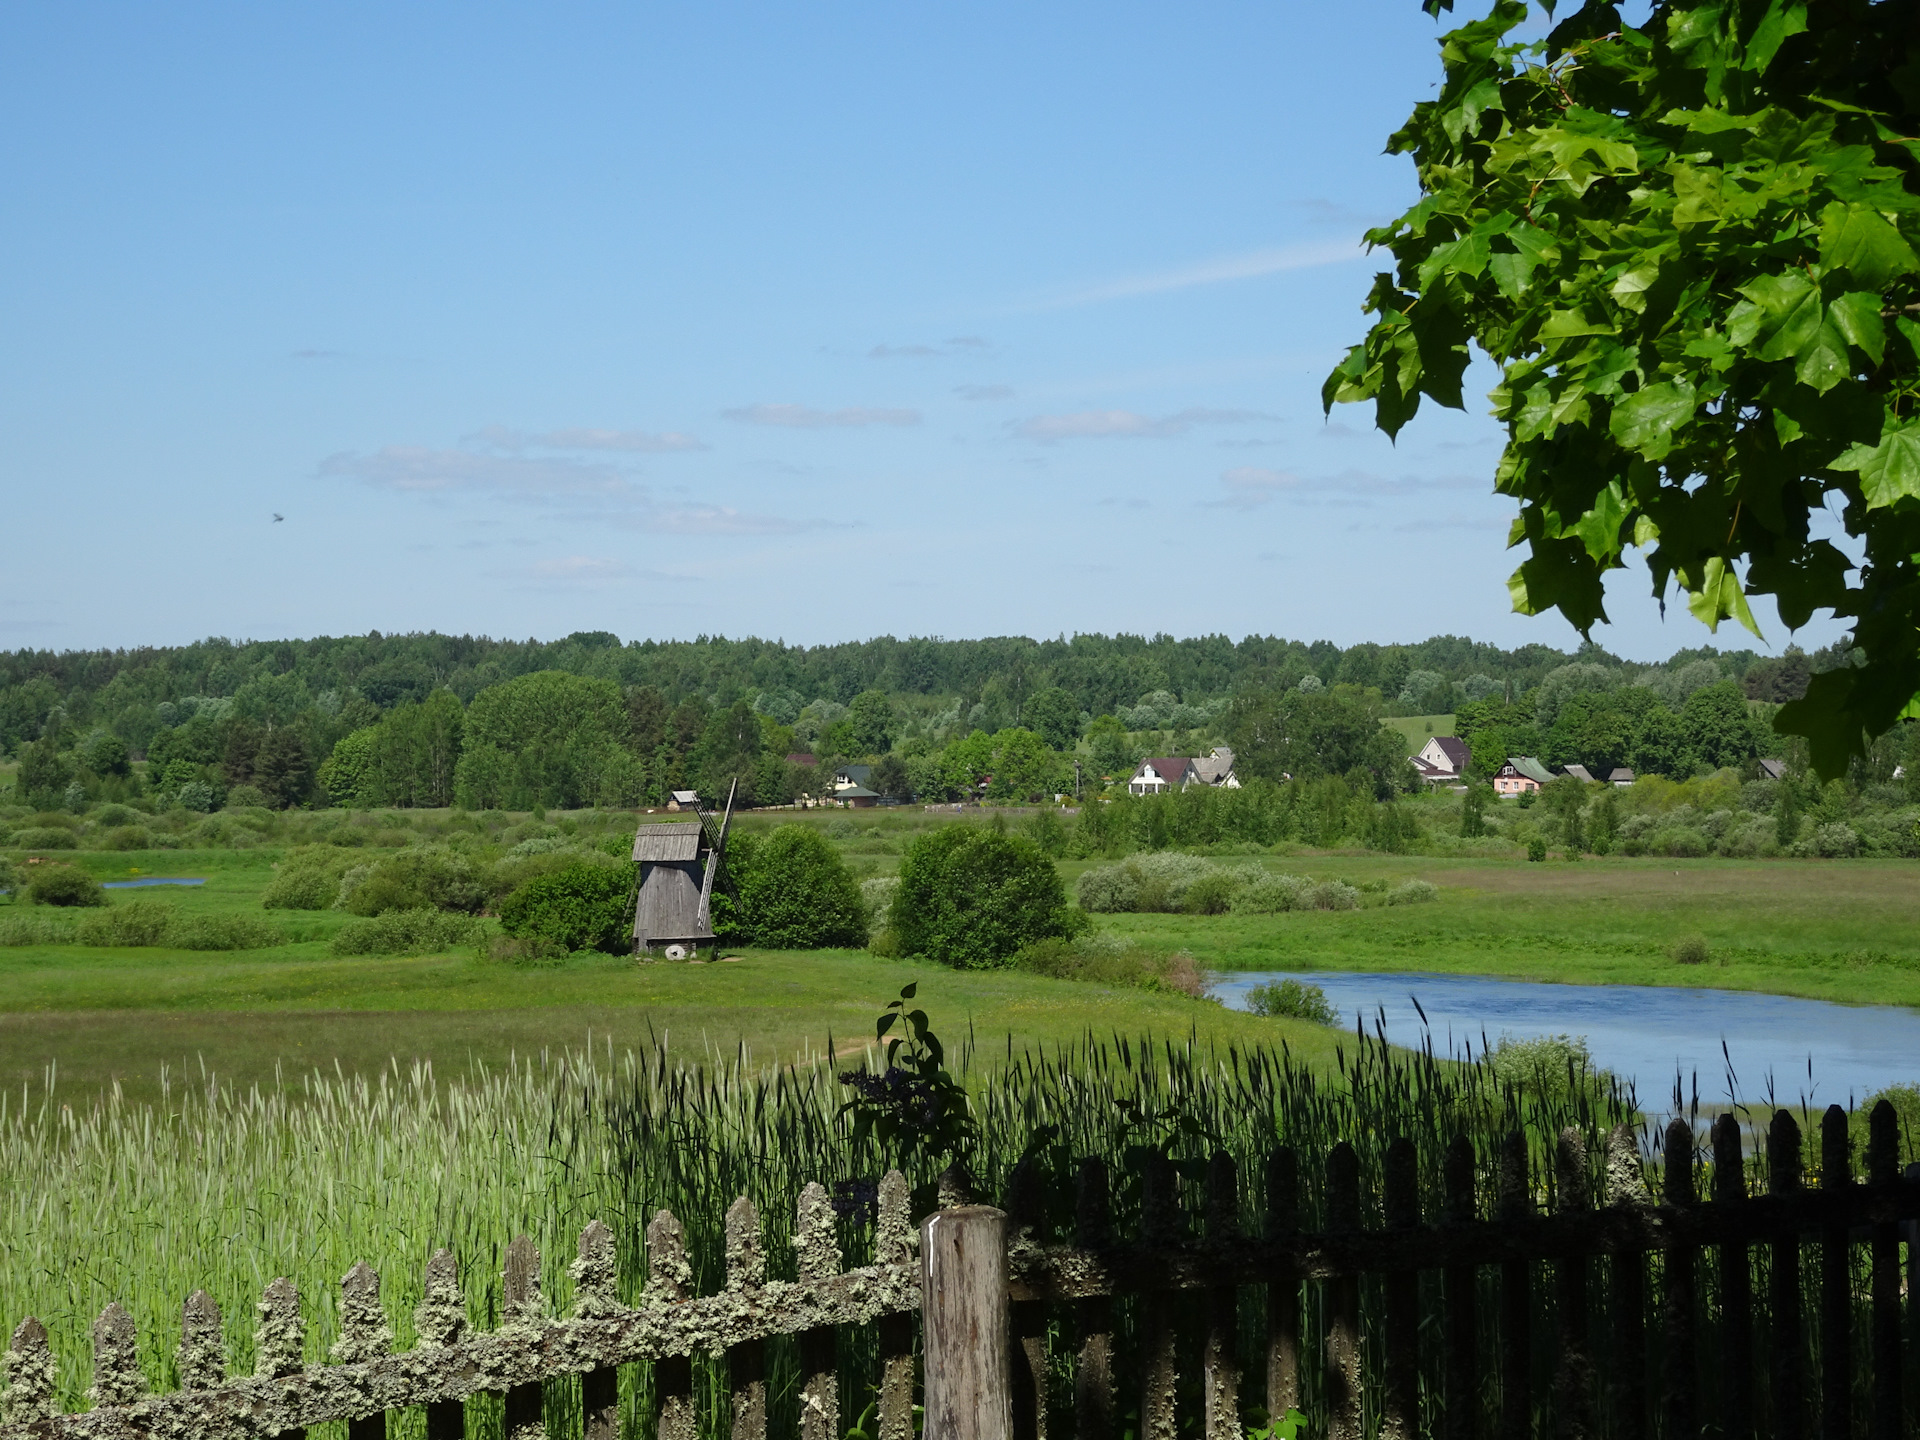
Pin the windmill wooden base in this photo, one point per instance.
(673, 909)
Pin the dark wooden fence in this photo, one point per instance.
(1510, 1304)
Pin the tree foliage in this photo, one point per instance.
(1689, 246)
(970, 896)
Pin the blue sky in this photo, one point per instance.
(814, 323)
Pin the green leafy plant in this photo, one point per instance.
(1691, 950)
(64, 885)
(797, 894)
(1292, 1000)
(970, 896)
(583, 907)
(912, 1108)
(1689, 247)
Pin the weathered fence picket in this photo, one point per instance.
(1561, 1348)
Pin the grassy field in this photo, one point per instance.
(1418, 728)
(1836, 931)
(101, 1015)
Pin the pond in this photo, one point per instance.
(143, 881)
(1810, 1049)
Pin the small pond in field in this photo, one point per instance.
(144, 881)
(1810, 1049)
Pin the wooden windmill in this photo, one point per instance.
(673, 913)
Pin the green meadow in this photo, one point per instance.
(94, 1016)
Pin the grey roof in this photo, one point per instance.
(1773, 769)
(1531, 768)
(1578, 772)
(1622, 776)
(1213, 769)
(858, 774)
(856, 792)
(654, 843)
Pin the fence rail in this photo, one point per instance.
(1605, 1313)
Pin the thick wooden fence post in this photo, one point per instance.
(819, 1259)
(364, 1335)
(1627, 1386)
(1027, 1319)
(30, 1376)
(595, 1295)
(1836, 1285)
(963, 1297)
(1220, 1365)
(117, 1377)
(1343, 1301)
(1462, 1333)
(280, 1338)
(1736, 1288)
(1573, 1374)
(669, 1281)
(1678, 1371)
(1283, 1286)
(201, 1358)
(1786, 1367)
(746, 1361)
(440, 1320)
(1516, 1298)
(520, 1293)
(893, 1245)
(1159, 1225)
(1093, 1369)
(1883, 1173)
(1402, 1195)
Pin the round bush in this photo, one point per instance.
(1331, 895)
(796, 894)
(1109, 890)
(65, 885)
(583, 907)
(1292, 1000)
(125, 837)
(50, 837)
(1271, 895)
(1212, 893)
(300, 890)
(107, 817)
(970, 897)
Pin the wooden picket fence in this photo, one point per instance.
(1681, 1318)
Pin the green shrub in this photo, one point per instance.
(9, 878)
(303, 889)
(242, 797)
(877, 895)
(35, 928)
(1109, 890)
(1692, 950)
(109, 817)
(1412, 892)
(1271, 895)
(971, 897)
(1548, 1066)
(1536, 847)
(796, 893)
(125, 837)
(1151, 884)
(1292, 1000)
(48, 837)
(1212, 893)
(64, 885)
(408, 932)
(1107, 960)
(1330, 895)
(223, 932)
(426, 877)
(139, 922)
(378, 894)
(583, 907)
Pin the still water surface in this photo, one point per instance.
(144, 881)
(1646, 1033)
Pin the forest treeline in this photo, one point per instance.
(433, 720)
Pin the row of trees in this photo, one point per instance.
(1612, 726)
(331, 687)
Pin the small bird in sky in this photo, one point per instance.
(278, 517)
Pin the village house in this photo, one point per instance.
(1620, 778)
(1521, 775)
(1443, 760)
(1578, 772)
(1175, 772)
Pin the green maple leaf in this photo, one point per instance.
(1646, 420)
(1888, 471)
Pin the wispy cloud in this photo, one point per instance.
(984, 392)
(1251, 486)
(1094, 424)
(953, 346)
(419, 468)
(311, 354)
(1249, 265)
(635, 442)
(801, 417)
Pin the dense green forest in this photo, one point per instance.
(434, 720)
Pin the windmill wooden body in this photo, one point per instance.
(673, 912)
